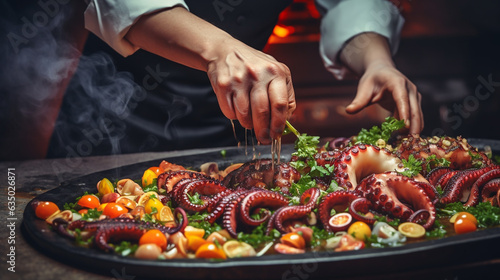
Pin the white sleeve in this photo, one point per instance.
(110, 20)
(344, 19)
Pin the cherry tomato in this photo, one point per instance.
(105, 186)
(148, 177)
(83, 211)
(153, 202)
(157, 170)
(360, 230)
(154, 236)
(45, 209)
(463, 215)
(89, 201)
(412, 230)
(293, 239)
(464, 225)
(210, 251)
(190, 230)
(195, 242)
(114, 210)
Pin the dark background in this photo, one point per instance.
(449, 49)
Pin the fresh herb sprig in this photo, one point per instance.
(413, 167)
(383, 132)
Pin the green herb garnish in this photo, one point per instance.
(383, 132)
(126, 248)
(413, 167)
(91, 215)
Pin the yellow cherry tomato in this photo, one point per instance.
(148, 177)
(101, 207)
(360, 230)
(411, 230)
(210, 251)
(105, 186)
(190, 230)
(153, 202)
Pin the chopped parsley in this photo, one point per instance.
(153, 187)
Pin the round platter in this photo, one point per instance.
(450, 253)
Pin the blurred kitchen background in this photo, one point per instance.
(449, 49)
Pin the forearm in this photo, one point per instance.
(364, 50)
(180, 36)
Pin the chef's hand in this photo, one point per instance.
(253, 88)
(381, 82)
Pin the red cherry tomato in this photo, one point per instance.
(89, 201)
(464, 225)
(114, 210)
(45, 209)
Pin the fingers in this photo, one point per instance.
(363, 98)
(415, 112)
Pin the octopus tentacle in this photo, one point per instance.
(230, 218)
(267, 199)
(308, 199)
(205, 188)
(167, 180)
(435, 174)
(459, 186)
(491, 192)
(216, 210)
(397, 195)
(478, 186)
(338, 200)
(361, 205)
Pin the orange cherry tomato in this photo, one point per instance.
(462, 225)
(83, 211)
(45, 209)
(190, 230)
(210, 251)
(89, 201)
(463, 215)
(154, 236)
(157, 170)
(114, 210)
(293, 239)
(195, 242)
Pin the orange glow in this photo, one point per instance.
(283, 31)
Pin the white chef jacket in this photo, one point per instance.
(110, 20)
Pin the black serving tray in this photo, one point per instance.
(452, 253)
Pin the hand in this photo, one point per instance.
(382, 83)
(253, 88)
